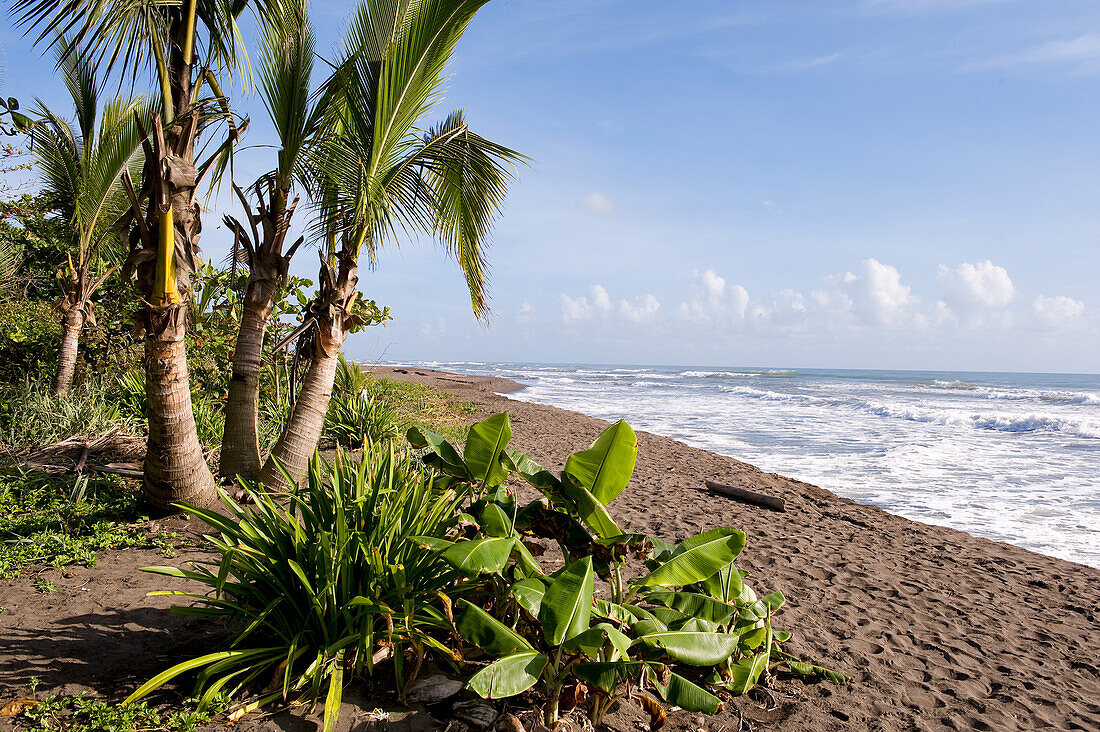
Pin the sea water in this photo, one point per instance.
(1011, 457)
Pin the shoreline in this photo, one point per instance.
(938, 628)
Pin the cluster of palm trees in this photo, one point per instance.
(353, 146)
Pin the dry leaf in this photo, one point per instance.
(236, 715)
(509, 723)
(657, 717)
(18, 706)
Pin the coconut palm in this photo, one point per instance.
(185, 45)
(286, 59)
(380, 174)
(81, 172)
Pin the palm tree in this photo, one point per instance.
(81, 172)
(185, 45)
(286, 67)
(378, 173)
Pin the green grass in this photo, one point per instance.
(65, 520)
(77, 713)
(419, 405)
(30, 416)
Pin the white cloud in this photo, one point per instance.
(714, 300)
(599, 204)
(1059, 313)
(878, 295)
(641, 309)
(596, 301)
(978, 293)
(526, 313)
(873, 302)
(432, 328)
(1082, 54)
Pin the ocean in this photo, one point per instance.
(1011, 457)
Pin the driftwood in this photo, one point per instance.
(746, 496)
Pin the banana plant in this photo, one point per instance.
(560, 641)
(483, 463)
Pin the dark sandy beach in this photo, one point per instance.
(937, 628)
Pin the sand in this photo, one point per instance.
(938, 629)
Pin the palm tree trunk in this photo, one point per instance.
(331, 314)
(240, 453)
(175, 469)
(304, 426)
(72, 321)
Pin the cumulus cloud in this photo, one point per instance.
(599, 204)
(526, 313)
(874, 297)
(641, 309)
(879, 296)
(713, 299)
(1059, 313)
(980, 285)
(432, 328)
(597, 303)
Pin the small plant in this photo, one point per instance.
(327, 587)
(44, 586)
(65, 520)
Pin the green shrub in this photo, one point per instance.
(691, 610)
(30, 336)
(316, 589)
(370, 555)
(31, 416)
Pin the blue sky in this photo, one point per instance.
(855, 183)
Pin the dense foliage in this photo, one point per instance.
(376, 559)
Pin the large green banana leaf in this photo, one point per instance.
(484, 445)
(605, 468)
(567, 605)
(697, 558)
(510, 675)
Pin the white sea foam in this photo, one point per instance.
(1011, 457)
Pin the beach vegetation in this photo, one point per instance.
(405, 555)
(57, 521)
(689, 621)
(322, 584)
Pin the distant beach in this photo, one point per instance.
(1009, 457)
(938, 628)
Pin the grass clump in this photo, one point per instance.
(77, 713)
(367, 408)
(30, 416)
(323, 583)
(65, 520)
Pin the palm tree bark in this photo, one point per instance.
(175, 469)
(304, 426)
(72, 322)
(267, 270)
(332, 320)
(240, 453)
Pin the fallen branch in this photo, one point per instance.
(746, 496)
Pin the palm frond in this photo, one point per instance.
(462, 179)
(286, 67)
(57, 156)
(412, 73)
